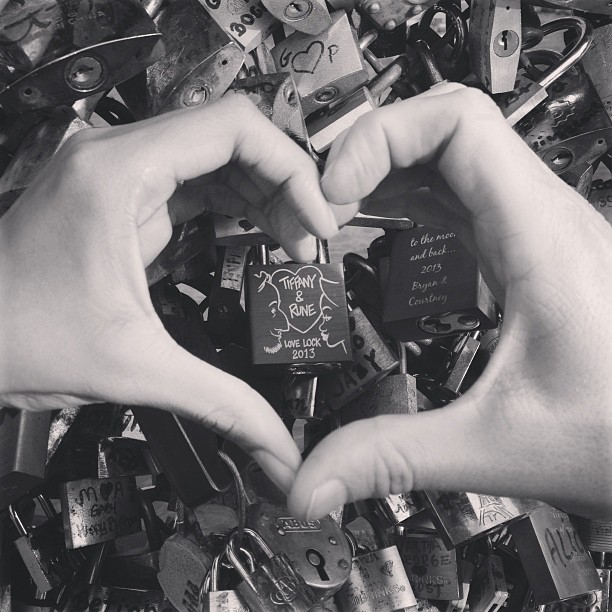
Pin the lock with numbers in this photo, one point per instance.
(318, 549)
(325, 66)
(528, 93)
(23, 452)
(557, 564)
(298, 316)
(495, 42)
(488, 591)
(71, 50)
(377, 581)
(275, 584)
(432, 569)
(434, 287)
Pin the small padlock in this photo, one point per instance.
(488, 591)
(432, 570)
(298, 316)
(325, 66)
(557, 564)
(377, 581)
(308, 16)
(213, 599)
(527, 93)
(371, 361)
(462, 517)
(71, 50)
(275, 585)
(23, 452)
(42, 548)
(393, 394)
(495, 42)
(318, 549)
(434, 287)
(99, 510)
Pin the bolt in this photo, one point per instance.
(390, 25)
(281, 531)
(333, 540)
(85, 73)
(195, 95)
(343, 564)
(298, 10)
(373, 8)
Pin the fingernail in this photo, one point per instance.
(280, 473)
(326, 498)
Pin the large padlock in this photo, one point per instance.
(557, 564)
(463, 517)
(495, 42)
(378, 581)
(434, 287)
(488, 591)
(298, 316)
(528, 94)
(432, 570)
(65, 50)
(42, 548)
(275, 585)
(23, 452)
(318, 549)
(325, 66)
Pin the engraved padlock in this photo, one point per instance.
(275, 585)
(557, 564)
(64, 50)
(325, 66)
(377, 581)
(434, 287)
(318, 549)
(398, 507)
(527, 93)
(298, 316)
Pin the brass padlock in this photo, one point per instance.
(434, 287)
(64, 50)
(325, 66)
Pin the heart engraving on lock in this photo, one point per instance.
(307, 63)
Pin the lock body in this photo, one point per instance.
(488, 591)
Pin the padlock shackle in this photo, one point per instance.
(584, 37)
(17, 520)
(459, 27)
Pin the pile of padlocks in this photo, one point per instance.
(108, 507)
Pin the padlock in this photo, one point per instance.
(276, 97)
(214, 599)
(35, 151)
(371, 360)
(392, 14)
(571, 128)
(495, 42)
(557, 564)
(42, 548)
(377, 581)
(183, 565)
(318, 549)
(298, 316)
(226, 317)
(275, 584)
(528, 94)
(23, 452)
(586, 6)
(248, 22)
(488, 591)
(65, 50)
(466, 571)
(323, 129)
(98, 510)
(326, 66)
(434, 287)
(235, 231)
(308, 16)
(432, 570)
(393, 394)
(516, 580)
(186, 450)
(118, 457)
(596, 62)
(595, 535)
(398, 507)
(200, 62)
(463, 517)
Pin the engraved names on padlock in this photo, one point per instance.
(99, 510)
(431, 568)
(298, 314)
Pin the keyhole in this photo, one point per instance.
(316, 559)
(505, 39)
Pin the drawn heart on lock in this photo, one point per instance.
(306, 63)
(106, 488)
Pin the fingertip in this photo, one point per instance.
(281, 471)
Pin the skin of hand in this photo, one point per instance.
(538, 422)
(78, 325)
